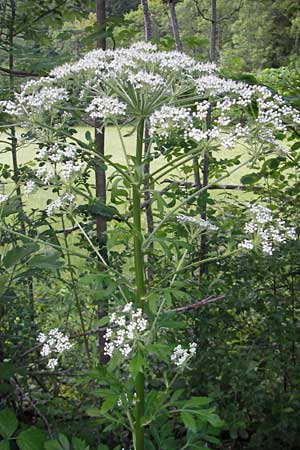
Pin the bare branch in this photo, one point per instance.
(197, 305)
(18, 73)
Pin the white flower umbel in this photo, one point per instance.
(169, 118)
(181, 355)
(199, 222)
(105, 107)
(126, 328)
(265, 231)
(60, 202)
(53, 344)
(29, 187)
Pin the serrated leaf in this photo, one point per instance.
(137, 364)
(109, 403)
(8, 423)
(53, 444)
(79, 444)
(31, 439)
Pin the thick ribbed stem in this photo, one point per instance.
(139, 279)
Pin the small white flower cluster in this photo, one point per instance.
(143, 79)
(60, 202)
(3, 198)
(56, 153)
(126, 328)
(180, 355)
(42, 100)
(29, 187)
(266, 230)
(199, 222)
(54, 344)
(168, 118)
(105, 107)
(70, 168)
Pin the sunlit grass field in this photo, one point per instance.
(113, 147)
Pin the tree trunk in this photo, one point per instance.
(147, 20)
(213, 31)
(175, 26)
(14, 143)
(205, 167)
(100, 179)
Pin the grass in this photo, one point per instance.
(112, 147)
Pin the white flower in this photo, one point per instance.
(54, 343)
(169, 118)
(267, 231)
(247, 244)
(64, 201)
(199, 222)
(29, 187)
(126, 328)
(105, 107)
(181, 355)
(52, 363)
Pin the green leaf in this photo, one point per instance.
(79, 444)
(137, 364)
(4, 445)
(15, 255)
(98, 208)
(94, 412)
(6, 370)
(31, 439)
(215, 420)
(53, 445)
(295, 146)
(64, 441)
(109, 403)
(189, 421)
(251, 178)
(198, 401)
(8, 423)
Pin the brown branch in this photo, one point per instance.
(18, 73)
(193, 306)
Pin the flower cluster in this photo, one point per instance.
(53, 344)
(105, 107)
(60, 202)
(169, 118)
(36, 102)
(180, 355)
(126, 328)
(199, 222)
(266, 231)
(143, 79)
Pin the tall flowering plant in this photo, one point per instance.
(172, 94)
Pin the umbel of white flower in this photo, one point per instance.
(53, 344)
(181, 355)
(265, 231)
(126, 328)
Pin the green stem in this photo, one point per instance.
(139, 278)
